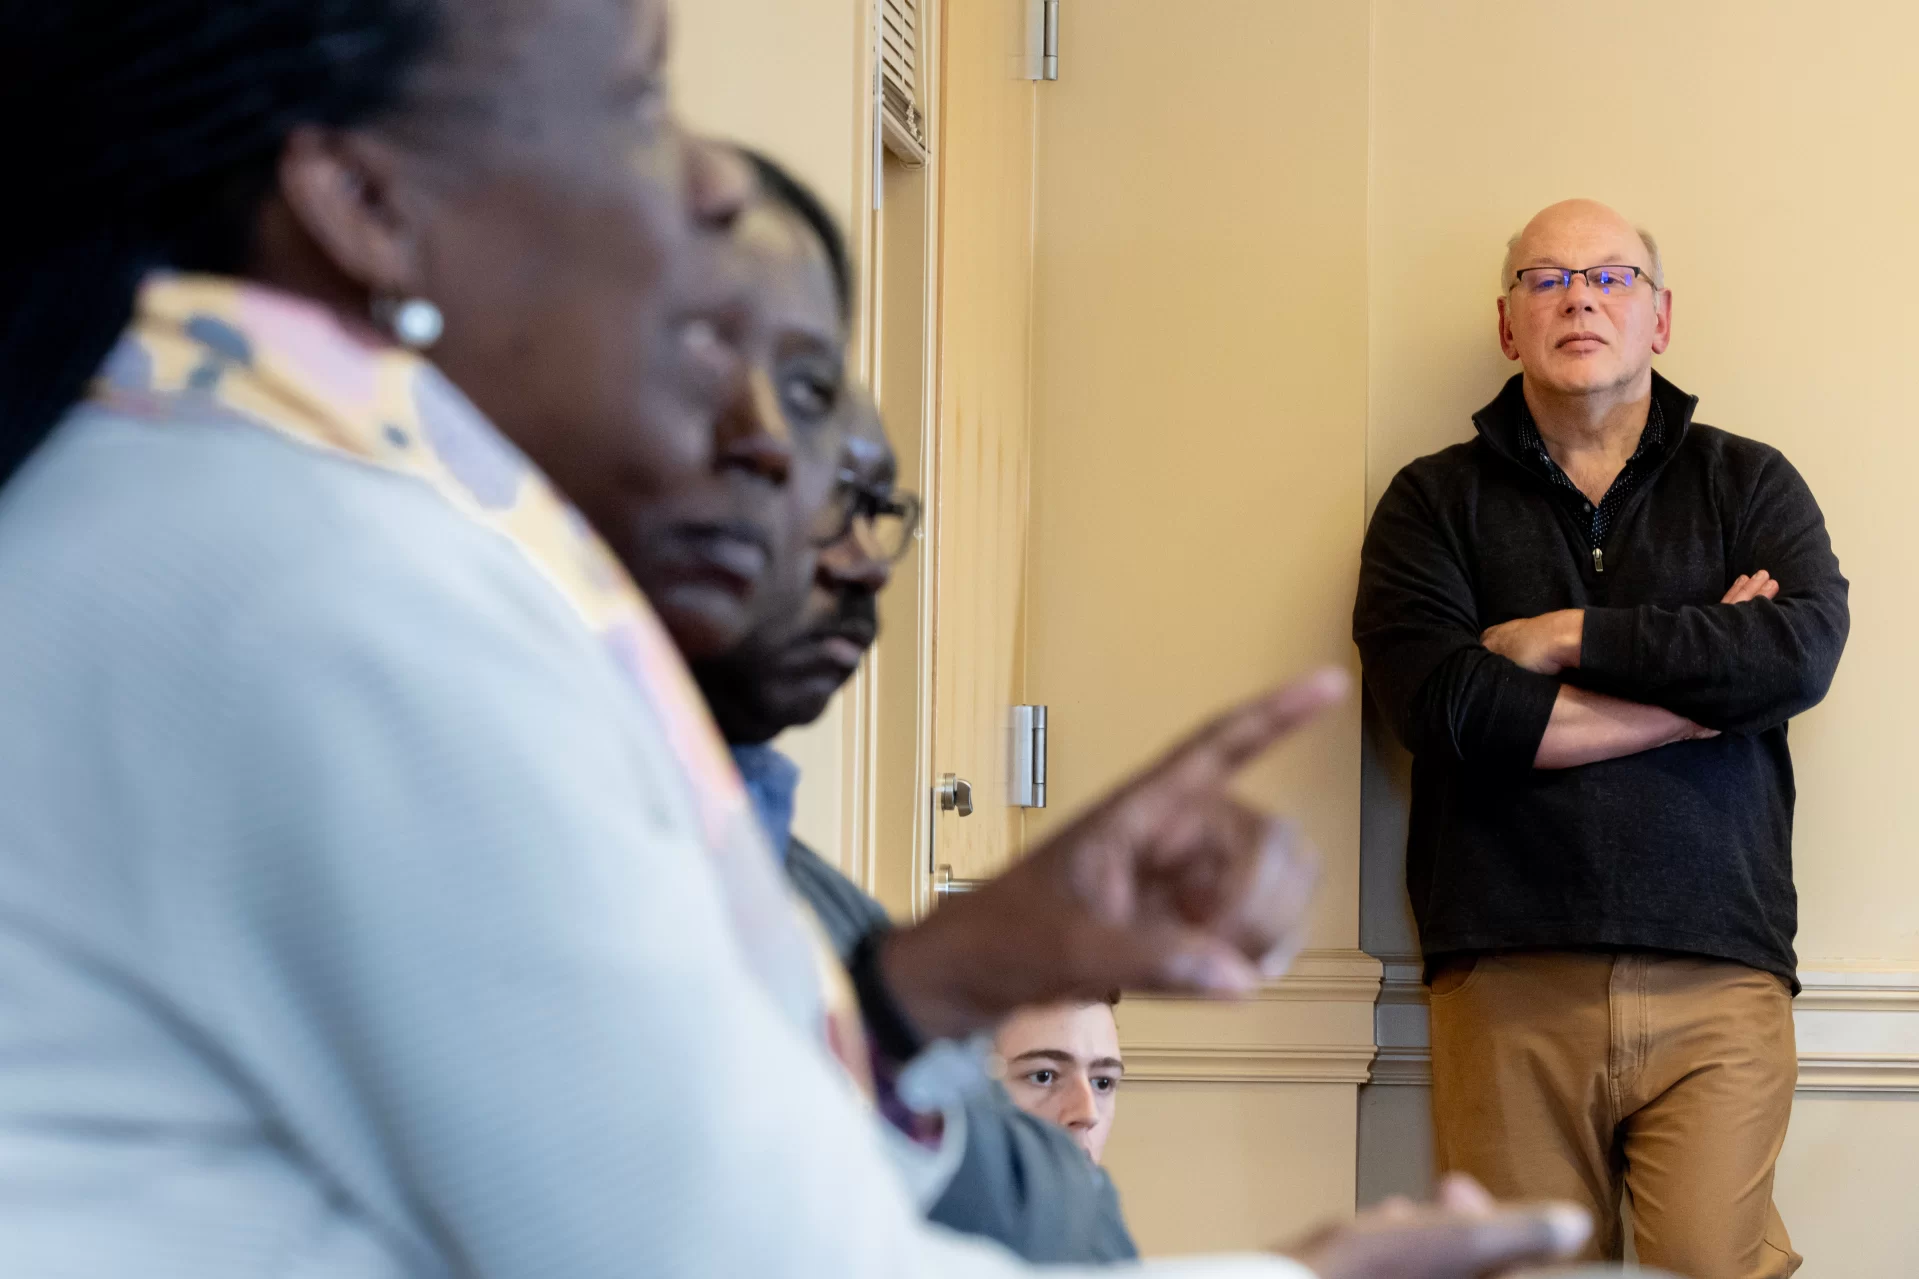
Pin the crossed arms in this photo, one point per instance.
(1587, 727)
(1577, 686)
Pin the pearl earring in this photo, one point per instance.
(413, 322)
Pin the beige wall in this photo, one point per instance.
(1210, 1165)
(1768, 145)
(1845, 1186)
(1200, 393)
(1199, 400)
(786, 76)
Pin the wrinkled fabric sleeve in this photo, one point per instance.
(1739, 668)
(1023, 1182)
(1445, 695)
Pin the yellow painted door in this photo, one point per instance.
(985, 139)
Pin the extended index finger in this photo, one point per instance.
(1210, 756)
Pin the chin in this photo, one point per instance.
(704, 623)
(1581, 378)
(806, 700)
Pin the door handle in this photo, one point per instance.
(945, 885)
(955, 795)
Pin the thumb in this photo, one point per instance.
(1282, 892)
(1203, 965)
(1460, 1193)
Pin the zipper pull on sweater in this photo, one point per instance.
(1599, 560)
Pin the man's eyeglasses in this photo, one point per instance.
(1546, 281)
(884, 521)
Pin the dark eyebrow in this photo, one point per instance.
(1108, 1063)
(1048, 1054)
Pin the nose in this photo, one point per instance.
(719, 182)
(1078, 1110)
(1579, 295)
(753, 434)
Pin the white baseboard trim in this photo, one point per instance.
(1312, 1026)
(1336, 976)
(1857, 1027)
(1262, 1064)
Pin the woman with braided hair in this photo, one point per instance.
(367, 862)
(376, 900)
(498, 180)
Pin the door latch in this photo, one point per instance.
(955, 795)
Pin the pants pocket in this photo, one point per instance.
(1453, 975)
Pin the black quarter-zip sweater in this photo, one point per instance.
(1687, 848)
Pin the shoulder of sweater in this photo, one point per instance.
(1446, 464)
(1437, 481)
(1744, 468)
(1724, 447)
(204, 517)
(802, 862)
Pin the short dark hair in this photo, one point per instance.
(802, 202)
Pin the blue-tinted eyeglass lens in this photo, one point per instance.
(1546, 280)
(1608, 278)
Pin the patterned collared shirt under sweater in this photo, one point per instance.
(1628, 479)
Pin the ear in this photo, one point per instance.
(351, 194)
(1506, 343)
(1662, 320)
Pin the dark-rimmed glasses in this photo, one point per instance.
(883, 520)
(1545, 281)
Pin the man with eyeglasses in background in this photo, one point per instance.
(1590, 625)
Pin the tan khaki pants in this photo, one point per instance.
(1585, 1076)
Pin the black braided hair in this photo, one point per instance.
(799, 199)
(145, 133)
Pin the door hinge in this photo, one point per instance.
(1042, 39)
(1026, 758)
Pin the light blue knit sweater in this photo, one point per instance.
(352, 925)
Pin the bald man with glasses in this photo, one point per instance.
(1590, 625)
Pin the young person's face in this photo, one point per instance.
(1063, 1065)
